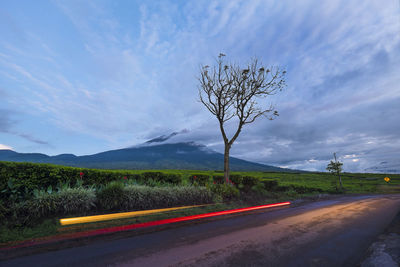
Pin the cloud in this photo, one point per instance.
(31, 138)
(163, 138)
(5, 147)
(7, 124)
(5, 120)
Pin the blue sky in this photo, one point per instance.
(87, 76)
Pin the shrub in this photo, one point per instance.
(145, 197)
(269, 185)
(159, 177)
(189, 195)
(236, 179)
(66, 201)
(199, 179)
(41, 205)
(291, 193)
(111, 196)
(75, 200)
(248, 182)
(171, 178)
(298, 189)
(218, 179)
(225, 191)
(4, 211)
(15, 192)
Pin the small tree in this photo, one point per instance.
(335, 167)
(229, 91)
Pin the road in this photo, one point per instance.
(333, 232)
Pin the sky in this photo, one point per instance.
(84, 77)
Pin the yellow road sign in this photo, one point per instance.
(387, 179)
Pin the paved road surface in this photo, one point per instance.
(325, 233)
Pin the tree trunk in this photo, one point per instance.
(338, 172)
(226, 163)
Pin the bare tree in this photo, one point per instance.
(229, 91)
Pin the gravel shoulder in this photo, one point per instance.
(385, 250)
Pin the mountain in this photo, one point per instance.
(163, 156)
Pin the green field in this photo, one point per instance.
(326, 182)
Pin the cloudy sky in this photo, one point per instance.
(88, 76)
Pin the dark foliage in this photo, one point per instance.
(199, 179)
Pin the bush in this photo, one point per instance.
(15, 192)
(111, 197)
(269, 185)
(248, 182)
(218, 179)
(45, 204)
(75, 200)
(4, 211)
(236, 179)
(174, 179)
(291, 193)
(40, 206)
(300, 189)
(145, 197)
(164, 178)
(225, 191)
(199, 179)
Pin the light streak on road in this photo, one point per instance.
(180, 219)
(121, 215)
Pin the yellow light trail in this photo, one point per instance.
(121, 215)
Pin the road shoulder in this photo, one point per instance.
(385, 250)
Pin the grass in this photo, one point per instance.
(352, 182)
(46, 228)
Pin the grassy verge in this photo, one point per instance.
(51, 226)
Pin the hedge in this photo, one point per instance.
(37, 176)
(248, 182)
(168, 178)
(236, 179)
(270, 185)
(199, 179)
(218, 179)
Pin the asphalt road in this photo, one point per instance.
(326, 233)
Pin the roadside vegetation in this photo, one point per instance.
(35, 196)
